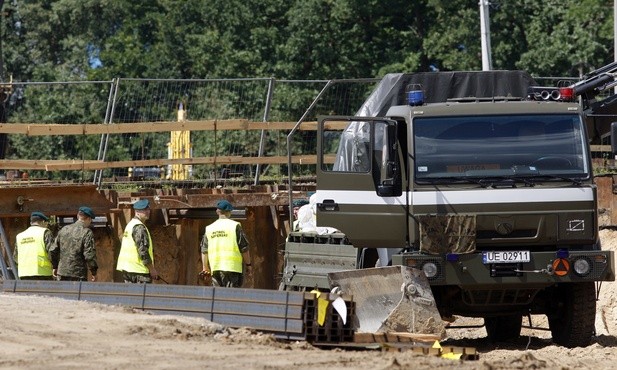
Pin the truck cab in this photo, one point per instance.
(492, 198)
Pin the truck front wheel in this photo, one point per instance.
(572, 322)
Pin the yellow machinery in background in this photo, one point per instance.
(179, 147)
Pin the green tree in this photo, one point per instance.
(99, 40)
(568, 40)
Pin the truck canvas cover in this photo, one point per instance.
(437, 87)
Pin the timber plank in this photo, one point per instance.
(394, 337)
(65, 165)
(45, 129)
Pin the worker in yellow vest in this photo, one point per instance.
(136, 258)
(32, 249)
(225, 249)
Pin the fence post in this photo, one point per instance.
(262, 139)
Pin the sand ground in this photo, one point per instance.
(50, 333)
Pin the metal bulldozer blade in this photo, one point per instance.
(390, 299)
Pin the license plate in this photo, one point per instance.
(505, 257)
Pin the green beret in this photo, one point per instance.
(224, 205)
(35, 216)
(141, 204)
(300, 202)
(87, 211)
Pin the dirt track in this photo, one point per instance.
(44, 333)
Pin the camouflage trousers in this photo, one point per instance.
(135, 277)
(227, 279)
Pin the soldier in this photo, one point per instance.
(224, 249)
(74, 251)
(297, 204)
(136, 259)
(32, 249)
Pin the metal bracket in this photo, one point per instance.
(21, 200)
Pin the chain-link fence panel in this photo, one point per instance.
(339, 97)
(228, 147)
(29, 145)
(228, 129)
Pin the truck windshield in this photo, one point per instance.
(468, 148)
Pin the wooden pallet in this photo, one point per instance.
(395, 337)
(418, 343)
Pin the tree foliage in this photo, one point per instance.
(98, 40)
(311, 39)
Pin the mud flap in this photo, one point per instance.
(390, 299)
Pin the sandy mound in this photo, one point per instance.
(606, 317)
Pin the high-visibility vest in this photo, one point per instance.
(32, 258)
(128, 259)
(223, 251)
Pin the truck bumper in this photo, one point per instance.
(543, 269)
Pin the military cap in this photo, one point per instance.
(141, 204)
(224, 205)
(300, 202)
(34, 216)
(87, 211)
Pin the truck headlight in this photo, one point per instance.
(430, 269)
(582, 266)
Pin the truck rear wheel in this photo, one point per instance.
(573, 322)
(503, 328)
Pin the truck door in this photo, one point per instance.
(360, 180)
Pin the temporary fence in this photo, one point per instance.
(196, 132)
(167, 130)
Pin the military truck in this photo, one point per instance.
(481, 180)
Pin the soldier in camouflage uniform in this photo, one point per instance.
(224, 250)
(74, 251)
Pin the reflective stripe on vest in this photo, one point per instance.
(223, 251)
(128, 259)
(32, 258)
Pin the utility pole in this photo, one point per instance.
(485, 32)
(5, 89)
(1, 36)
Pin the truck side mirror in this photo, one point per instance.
(390, 174)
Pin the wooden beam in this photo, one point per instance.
(63, 165)
(63, 200)
(76, 165)
(41, 164)
(209, 200)
(601, 148)
(45, 129)
(13, 128)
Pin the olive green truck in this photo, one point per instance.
(482, 181)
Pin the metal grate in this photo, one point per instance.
(333, 330)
